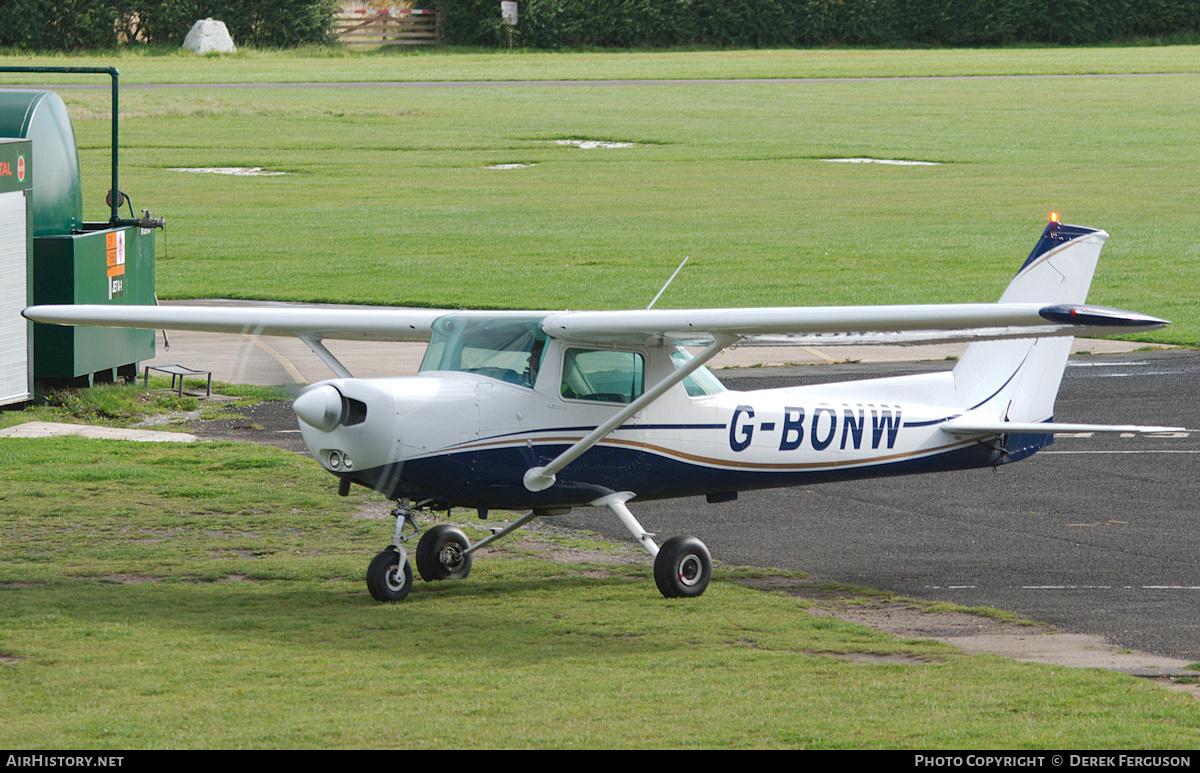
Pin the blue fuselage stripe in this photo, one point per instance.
(491, 477)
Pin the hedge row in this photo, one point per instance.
(805, 23)
(63, 25)
(66, 25)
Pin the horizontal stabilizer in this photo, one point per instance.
(972, 425)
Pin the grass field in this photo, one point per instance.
(161, 65)
(211, 596)
(387, 197)
(161, 596)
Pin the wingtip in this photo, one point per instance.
(1099, 316)
(35, 313)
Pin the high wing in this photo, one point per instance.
(1045, 299)
(359, 323)
(849, 325)
(722, 328)
(770, 325)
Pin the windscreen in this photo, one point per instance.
(507, 348)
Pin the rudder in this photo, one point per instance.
(1018, 380)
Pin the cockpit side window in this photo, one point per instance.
(505, 348)
(602, 375)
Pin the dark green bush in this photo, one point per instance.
(63, 25)
(67, 25)
(765, 23)
(53, 25)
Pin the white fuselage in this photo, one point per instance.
(466, 439)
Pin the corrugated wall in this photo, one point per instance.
(14, 273)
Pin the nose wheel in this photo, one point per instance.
(389, 577)
(443, 553)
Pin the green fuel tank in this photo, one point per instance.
(41, 116)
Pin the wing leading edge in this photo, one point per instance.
(766, 325)
(361, 323)
(841, 325)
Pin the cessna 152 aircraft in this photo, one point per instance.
(545, 411)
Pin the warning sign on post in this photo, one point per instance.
(115, 254)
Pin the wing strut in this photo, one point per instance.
(542, 478)
(326, 356)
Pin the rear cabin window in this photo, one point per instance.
(603, 376)
(700, 382)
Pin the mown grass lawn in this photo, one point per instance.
(211, 596)
(388, 197)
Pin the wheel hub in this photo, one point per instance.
(451, 557)
(690, 570)
(394, 577)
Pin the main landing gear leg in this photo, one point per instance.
(682, 566)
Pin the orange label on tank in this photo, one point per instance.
(114, 253)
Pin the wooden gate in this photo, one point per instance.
(387, 28)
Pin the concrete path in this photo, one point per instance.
(37, 429)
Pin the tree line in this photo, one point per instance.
(66, 25)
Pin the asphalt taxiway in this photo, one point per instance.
(1097, 534)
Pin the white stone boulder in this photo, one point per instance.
(209, 37)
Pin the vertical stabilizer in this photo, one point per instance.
(1018, 380)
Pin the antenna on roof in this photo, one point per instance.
(665, 286)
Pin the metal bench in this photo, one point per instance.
(178, 372)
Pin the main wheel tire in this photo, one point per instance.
(682, 568)
(440, 554)
(387, 578)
